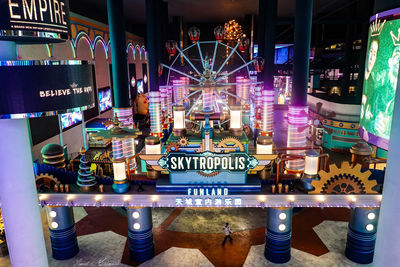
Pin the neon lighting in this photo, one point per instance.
(155, 113)
(137, 47)
(100, 39)
(125, 116)
(49, 48)
(117, 148)
(267, 111)
(128, 150)
(145, 53)
(297, 133)
(72, 47)
(83, 35)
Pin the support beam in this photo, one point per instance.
(116, 25)
(19, 200)
(140, 234)
(64, 243)
(269, 43)
(153, 39)
(361, 235)
(301, 53)
(278, 235)
(18, 197)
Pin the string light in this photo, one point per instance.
(232, 30)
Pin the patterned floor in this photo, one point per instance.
(192, 237)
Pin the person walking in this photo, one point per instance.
(228, 233)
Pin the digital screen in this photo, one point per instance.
(255, 50)
(380, 78)
(69, 119)
(105, 101)
(139, 86)
(31, 88)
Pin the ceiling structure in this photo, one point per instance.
(220, 11)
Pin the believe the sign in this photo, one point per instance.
(34, 90)
(208, 162)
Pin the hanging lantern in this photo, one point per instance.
(243, 44)
(194, 34)
(258, 64)
(219, 33)
(160, 69)
(171, 46)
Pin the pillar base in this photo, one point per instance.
(121, 188)
(141, 246)
(361, 235)
(360, 247)
(277, 247)
(278, 235)
(140, 234)
(64, 243)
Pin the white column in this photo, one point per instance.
(18, 196)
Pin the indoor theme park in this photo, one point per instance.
(199, 133)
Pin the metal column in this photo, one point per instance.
(140, 234)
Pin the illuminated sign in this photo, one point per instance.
(32, 90)
(208, 163)
(205, 191)
(35, 15)
(380, 79)
(208, 201)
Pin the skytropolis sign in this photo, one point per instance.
(208, 163)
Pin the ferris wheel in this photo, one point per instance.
(205, 88)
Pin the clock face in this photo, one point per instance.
(145, 78)
(133, 81)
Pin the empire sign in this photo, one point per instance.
(35, 15)
(208, 162)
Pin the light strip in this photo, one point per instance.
(249, 200)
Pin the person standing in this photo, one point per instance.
(228, 233)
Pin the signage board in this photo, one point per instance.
(51, 16)
(208, 167)
(208, 163)
(380, 78)
(34, 90)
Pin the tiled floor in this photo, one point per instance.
(192, 237)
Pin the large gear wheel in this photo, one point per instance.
(183, 141)
(45, 182)
(231, 143)
(172, 147)
(345, 180)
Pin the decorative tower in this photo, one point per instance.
(86, 180)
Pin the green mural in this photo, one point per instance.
(380, 80)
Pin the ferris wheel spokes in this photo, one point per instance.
(214, 55)
(190, 63)
(226, 60)
(201, 55)
(182, 73)
(235, 70)
(183, 98)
